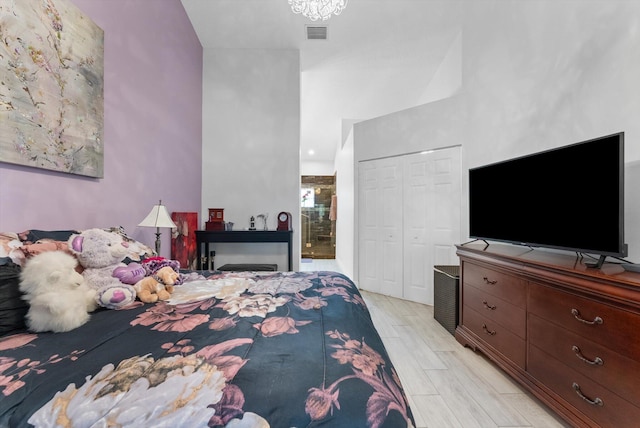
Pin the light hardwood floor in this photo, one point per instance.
(448, 385)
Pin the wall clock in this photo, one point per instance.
(284, 221)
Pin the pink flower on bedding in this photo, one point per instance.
(360, 355)
(16, 341)
(332, 291)
(340, 291)
(10, 385)
(166, 318)
(336, 280)
(12, 372)
(229, 365)
(369, 367)
(151, 317)
(186, 323)
(229, 407)
(321, 401)
(275, 326)
(308, 303)
(221, 324)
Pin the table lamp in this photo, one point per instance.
(158, 217)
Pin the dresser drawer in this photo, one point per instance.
(496, 283)
(604, 407)
(497, 310)
(604, 324)
(495, 335)
(600, 363)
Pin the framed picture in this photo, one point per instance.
(52, 93)
(183, 239)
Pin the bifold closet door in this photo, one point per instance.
(431, 218)
(408, 221)
(380, 226)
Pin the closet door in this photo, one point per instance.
(431, 202)
(418, 171)
(380, 226)
(447, 192)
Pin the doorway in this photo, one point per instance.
(318, 207)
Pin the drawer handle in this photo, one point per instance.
(595, 402)
(595, 362)
(495, 281)
(576, 315)
(488, 306)
(486, 330)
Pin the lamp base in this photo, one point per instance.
(158, 242)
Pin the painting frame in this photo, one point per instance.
(183, 239)
(52, 102)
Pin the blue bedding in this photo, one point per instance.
(243, 349)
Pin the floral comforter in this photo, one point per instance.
(261, 349)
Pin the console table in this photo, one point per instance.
(567, 333)
(207, 237)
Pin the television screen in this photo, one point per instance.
(568, 198)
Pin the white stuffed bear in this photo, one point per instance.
(100, 253)
(59, 299)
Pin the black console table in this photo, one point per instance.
(207, 237)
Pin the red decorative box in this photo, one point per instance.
(214, 225)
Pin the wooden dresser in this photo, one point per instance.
(567, 333)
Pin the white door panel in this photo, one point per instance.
(416, 231)
(380, 227)
(408, 221)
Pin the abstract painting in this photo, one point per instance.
(51, 87)
(183, 239)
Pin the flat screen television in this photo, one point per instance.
(569, 198)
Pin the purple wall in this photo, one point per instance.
(152, 130)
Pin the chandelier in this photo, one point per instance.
(318, 9)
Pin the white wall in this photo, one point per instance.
(535, 75)
(345, 224)
(317, 168)
(251, 152)
(541, 74)
(567, 71)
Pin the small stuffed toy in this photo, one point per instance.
(159, 286)
(100, 253)
(153, 264)
(59, 299)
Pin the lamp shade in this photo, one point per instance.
(158, 217)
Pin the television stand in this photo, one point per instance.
(596, 265)
(476, 240)
(601, 260)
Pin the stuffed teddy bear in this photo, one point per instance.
(59, 298)
(100, 253)
(158, 286)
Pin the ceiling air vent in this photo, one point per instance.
(316, 32)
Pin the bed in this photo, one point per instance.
(235, 349)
